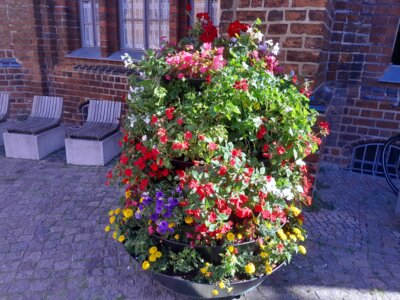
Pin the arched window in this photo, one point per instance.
(396, 52)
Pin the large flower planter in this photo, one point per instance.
(204, 291)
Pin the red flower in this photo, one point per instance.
(179, 121)
(140, 163)
(223, 207)
(193, 184)
(109, 175)
(188, 135)
(241, 85)
(212, 146)
(281, 150)
(201, 137)
(236, 152)
(236, 27)
(324, 127)
(124, 159)
(180, 146)
(243, 212)
(294, 79)
(165, 172)
(222, 171)
(154, 167)
(261, 132)
(188, 7)
(163, 139)
(128, 173)
(212, 217)
(202, 228)
(204, 16)
(265, 148)
(209, 33)
(143, 184)
(169, 112)
(154, 119)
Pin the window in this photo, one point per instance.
(143, 23)
(396, 52)
(90, 29)
(210, 6)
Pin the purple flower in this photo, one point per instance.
(138, 215)
(163, 227)
(172, 202)
(159, 206)
(154, 217)
(147, 200)
(159, 195)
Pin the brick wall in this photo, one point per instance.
(302, 27)
(362, 109)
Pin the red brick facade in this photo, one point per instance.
(345, 45)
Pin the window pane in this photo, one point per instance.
(127, 9)
(139, 35)
(164, 9)
(97, 23)
(200, 6)
(138, 9)
(154, 9)
(164, 30)
(128, 34)
(87, 12)
(154, 34)
(88, 37)
(215, 12)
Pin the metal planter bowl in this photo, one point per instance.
(204, 291)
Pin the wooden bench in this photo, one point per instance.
(39, 135)
(4, 104)
(96, 142)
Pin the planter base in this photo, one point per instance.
(204, 291)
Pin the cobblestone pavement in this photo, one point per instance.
(53, 246)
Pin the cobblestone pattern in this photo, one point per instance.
(53, 246)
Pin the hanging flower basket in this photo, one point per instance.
(213, 174)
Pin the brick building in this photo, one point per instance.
(72, 48)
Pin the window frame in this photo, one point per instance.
(396, 49)
(146, 21)
(96, 27)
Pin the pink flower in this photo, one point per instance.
(281, 150)
(181, 76)
(207, 46)
(179, 121)
(212, 146)
(201, 137)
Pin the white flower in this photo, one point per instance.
(300, 162)
(128, 61)
(300, 189)
(144, 138)
(269, 43)
(147, 120)
(258, 121)
(288, 109)
(287, 193)
(132, 119)
(275, 49)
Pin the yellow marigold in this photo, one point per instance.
(107, 228)
(121, 238)
(215, 292)
(203, 270)
(231, 249)
(281, 235)
(296, 231)
(230, 236)
(111, 213)
(153, 250)
(207, 264)
(158, 254)
(268, 269)
(250, 268)
(128, 213)
(153, 257)
(141, 199)
(229, 289)
(145, 265)
(268, 224)
(295, 210)
(264, 254)
(221, 285)
(115, 233)
(128, 193)
(176, 236)
(293, 237)
(112, 220)
(219, 236)
(171, 225)
(300, 221)
(300, 237)
(188, 220)
(117, 211)
(239, 236)
(302, 250)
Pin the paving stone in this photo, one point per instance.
(53, 245)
